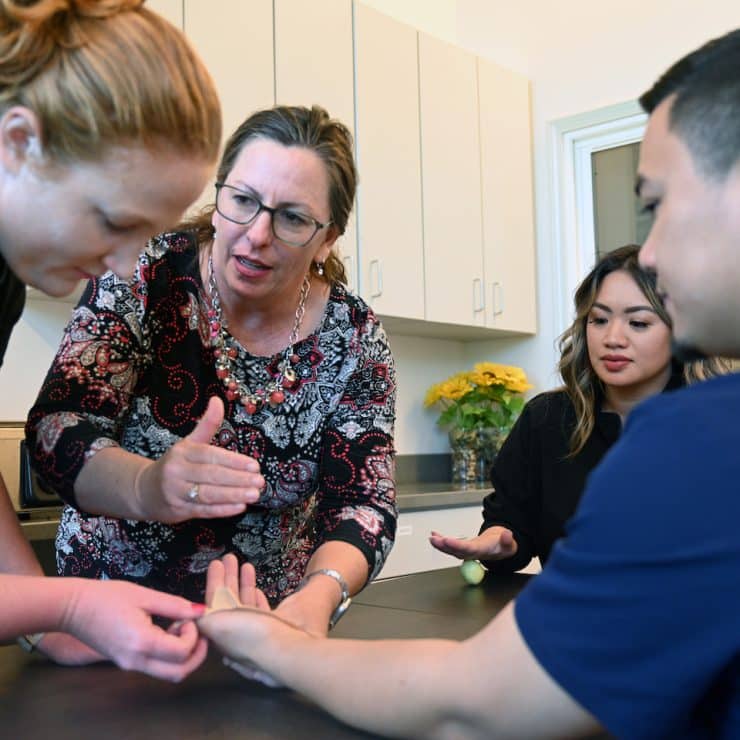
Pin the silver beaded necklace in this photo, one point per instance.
(226, 350)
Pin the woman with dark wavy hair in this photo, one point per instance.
(615, 354)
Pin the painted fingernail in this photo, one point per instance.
(199, 609)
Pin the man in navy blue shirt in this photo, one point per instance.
(634, 625)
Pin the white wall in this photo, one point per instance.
(436, 17)
(419, 364)
(30, 351)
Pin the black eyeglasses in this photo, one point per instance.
(292, 227)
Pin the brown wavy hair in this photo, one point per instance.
(310, 128)
(102, 72)
(580, 380)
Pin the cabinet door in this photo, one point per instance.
(234, 39)
(508, 209)
(169, 9)
(313, 65)
(389, 202)
(450, 157)
(412, 552)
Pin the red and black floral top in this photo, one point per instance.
(135, 369)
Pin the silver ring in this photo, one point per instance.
(192, 494)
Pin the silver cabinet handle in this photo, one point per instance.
(479, 299)
(497, 298)
(347, 259)
(376, 278)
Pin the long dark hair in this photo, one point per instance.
(581, 381)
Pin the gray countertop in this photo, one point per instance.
(425, 496)
(41, 524)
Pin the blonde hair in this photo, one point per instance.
(580, 380)
(313, 129)
(102, 72)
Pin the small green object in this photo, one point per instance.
(472, 572)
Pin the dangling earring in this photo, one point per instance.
(319, 268)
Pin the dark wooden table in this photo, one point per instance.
(41, 700)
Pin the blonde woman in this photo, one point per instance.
(109, 125)
(615, 354)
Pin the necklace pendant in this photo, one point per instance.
(289, 379)
(276, 397)
(226, 352)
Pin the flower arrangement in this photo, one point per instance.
(479, 407)
(487, 396)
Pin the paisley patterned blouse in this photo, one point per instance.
(135, 369)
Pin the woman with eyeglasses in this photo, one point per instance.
(236, 349)
(109, 126)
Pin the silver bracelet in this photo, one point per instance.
(346, 599)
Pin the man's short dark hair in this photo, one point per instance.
(706, 109)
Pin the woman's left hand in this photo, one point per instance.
(230, 623)
(242, 582)
(309, 608)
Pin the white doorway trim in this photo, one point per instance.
(573, 141)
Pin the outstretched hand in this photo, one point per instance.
(195, 479)
(239, 620)
(115, 619)
(494, 543)
(241, 582)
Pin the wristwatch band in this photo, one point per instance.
(29, 642)
(346, 599)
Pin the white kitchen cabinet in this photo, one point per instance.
(234, 39)
(508, 208)
(169, 9)
(451, 187)
(441, 242)
(412, 552)
(313, 56)
(314, 65)
(388, 149)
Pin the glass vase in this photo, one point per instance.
(472, 453)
